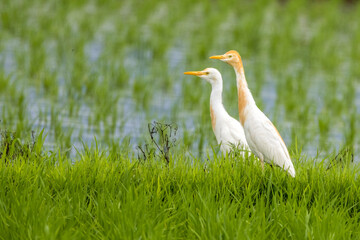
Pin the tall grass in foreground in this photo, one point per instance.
(107, 195)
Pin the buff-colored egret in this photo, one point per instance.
(262, 136)
(228, 131)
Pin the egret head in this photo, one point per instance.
(231, 57)
(211, 75)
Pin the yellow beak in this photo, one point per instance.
(196, 73)
(217, 57)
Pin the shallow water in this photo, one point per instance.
(132, 122)
(107, 78)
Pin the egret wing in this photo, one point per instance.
(264, 140)
(237, 132)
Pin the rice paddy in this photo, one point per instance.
(86, 77)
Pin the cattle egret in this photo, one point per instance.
(228, 131)
(263, 138)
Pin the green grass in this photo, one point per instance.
(85, 59)
(105, 194)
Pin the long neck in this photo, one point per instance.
(245, 97)
(216, 94)
(216, 107)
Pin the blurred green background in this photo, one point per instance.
(104, 69)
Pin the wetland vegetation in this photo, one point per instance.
(81, 80)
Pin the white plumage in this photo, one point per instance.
(263, 138)
(265, 141)
(227, 130)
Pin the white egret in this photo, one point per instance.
(228, 131)
(263, 138)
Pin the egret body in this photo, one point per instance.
(227, 130)
(263, 138)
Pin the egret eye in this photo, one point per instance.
(230, 56)
(207, 73)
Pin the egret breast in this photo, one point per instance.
(213, 118)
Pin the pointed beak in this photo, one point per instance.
(218, 57)
(196, 73)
